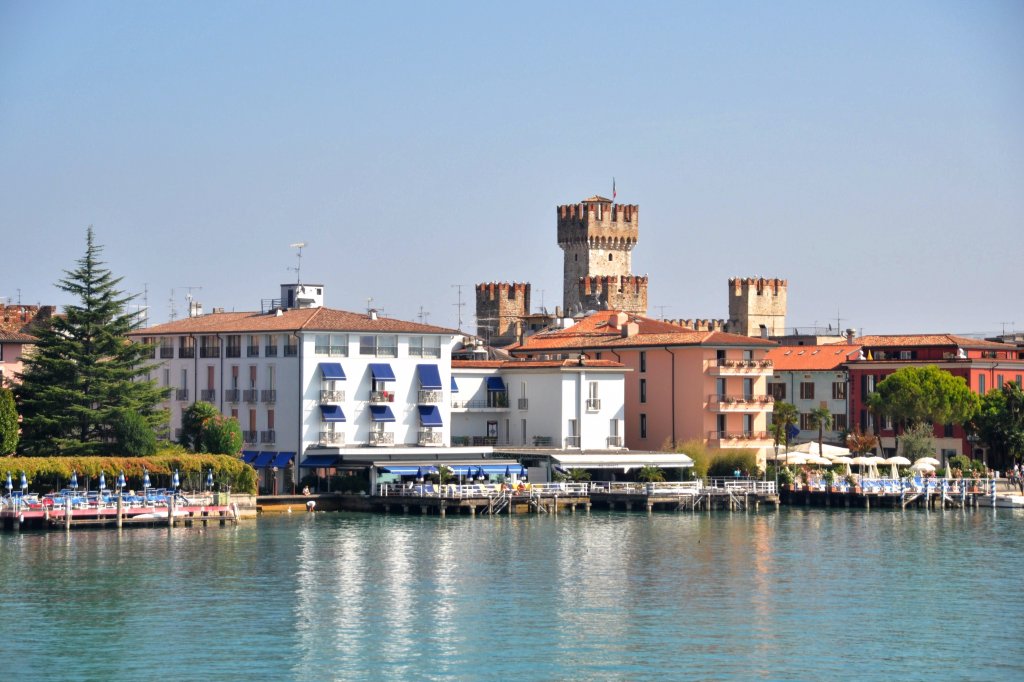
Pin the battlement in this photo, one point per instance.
(492, 291)
(774, 286)
(614, 292)
(500, 309)
(15, 318)
(702, 325)
(598, 220)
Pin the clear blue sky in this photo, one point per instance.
(872, 153)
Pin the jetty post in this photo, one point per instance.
(120, 508)
(67, 513)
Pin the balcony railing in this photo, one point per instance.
(750, 400)
(270, 351)
(428, 437)
(615, 441)
(166, 353)
(723, 366)
(572, 441)
(429, 397)
(249, 436)
(291, 350)
(232, 395)
(332, 438)
(250, 395)
(233, 352)
(332, 396)
(593, 404)
(738, 435)
(209, 351)
(382, 438)
(269, 436)
(252, 351)
(181, 394)
(382, 396)
(208, 395)
(268, 395)
(524, 403)
(186, 352)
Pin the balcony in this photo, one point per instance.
(232, 395)
(382, 438)
(209, 351)
(208, 395)
(524, 403)
(719, 367)
(268, 395)
(181, 394)
(186, 353)
(428, 437)
(269, 436)
(332, 396)
(382, 396)
(429, 397)
(270, 351)
(480, 405)
(738, 438)
(593, 404)
(291, 350)
(331, 438)
(233, 352)
(250, 436)
(250, 395)
(572, 441)
(615, 441)
(740, 403)
(252, 351)
(166, 353)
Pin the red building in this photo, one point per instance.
(984, 365)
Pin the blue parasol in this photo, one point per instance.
(120, 480)
(480, 473)
(209, 478)
(103, 481)
(74, 480)
(508, 472)
(10, 484)
(24, 481)
(145, 479)
(175, 481)
(419, 474)
(522, 473)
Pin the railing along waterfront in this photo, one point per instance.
(477, 490)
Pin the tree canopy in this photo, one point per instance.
(784, 415)
(924, 395)
(1000, 424)
(8, 423)
(84, 373)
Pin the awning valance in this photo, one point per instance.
(331, 413)
(673, 460)
(382, 371)
(430, 416)
(455, 386)
(430, 377)
(332, 371)
(409, 470)
(319, 462)
(495, 384)
(381, 413)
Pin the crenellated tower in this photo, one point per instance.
(597, 238)
(608, 292)
(757, 306)
(500, 307)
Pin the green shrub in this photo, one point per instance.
(135, 436)
(727, 462)
(8, 423)
(696, 450)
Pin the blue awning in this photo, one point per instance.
(430, 377)
(249, 456)
(381, 413)
(332, 371)
(331, 413)
(408, 470)
(455, 386)
(430, 416)
(319, 462)
(381, 371)
(264, 459)
(495, 384)
(283, 459)
(488, 469)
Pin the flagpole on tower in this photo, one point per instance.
(613, 188)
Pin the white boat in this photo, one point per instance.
(1003, 501)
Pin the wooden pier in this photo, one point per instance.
(19, 517)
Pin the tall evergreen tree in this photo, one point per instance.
(84, 373)
(8, 422)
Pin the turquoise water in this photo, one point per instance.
(799, 594)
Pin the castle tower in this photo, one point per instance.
(607, 292)
(757, 306)
(499, 308)
(597, 238)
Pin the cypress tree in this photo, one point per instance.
(85, 373)
(8, 423)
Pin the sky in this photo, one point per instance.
(871, 153)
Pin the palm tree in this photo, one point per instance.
(650, 474)
(784, 415)
(820, 418)
(577, 475)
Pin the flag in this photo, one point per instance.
(613, 189)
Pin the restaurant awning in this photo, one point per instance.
(669, 460)
(282, 459)
(495, 384)
(408, 470)
(430, 416)
(381, 413)
(249, 456)
(430, 377)
(331, 413)
(382, 371)
(319, 462)
(332, 371)
(264, 459)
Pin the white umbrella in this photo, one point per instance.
(826, 450)
(795, 458)
(823, 461)
(922, 466)
(845, 461)
(897, 461)
(928, 460)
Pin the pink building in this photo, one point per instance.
(12, 347)
(684, 384)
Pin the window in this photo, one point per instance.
(271, 349)
(593, 401)
(643, 425)
(805, 421)
(424, 346)
(906, 355)
(839, 422)
(209, 346)
(999, 381)
(167, 376)
(748, 389)
(643, 390)
(807, 390)
(210, 374)
(186, 347)
(253, 347)
(609, 257)
(748, 425)
(643, 361)
(947, 430)
(383, 346)
(234, 346)
(777, 390)
(887, 422)
(291, 346)
(331, 344)
(720, 423)
(252, 376)
(981, 384)
(592, 390)
(166, 347)
(838, 390)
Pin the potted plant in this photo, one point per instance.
(830, 478)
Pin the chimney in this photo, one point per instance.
(850, 333)
(617, 320)
(373, 314)
(630, 329)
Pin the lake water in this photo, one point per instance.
(798, 594)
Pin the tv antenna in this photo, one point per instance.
(423, 315)
(188, 297)
(1011, 323)
(458, 306)
(298, 267)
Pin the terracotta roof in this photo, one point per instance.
(305, 319)
(908, 340)
(596, 331)
(534, 364)
(597, 198)
(827, 357)
(15, 337)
